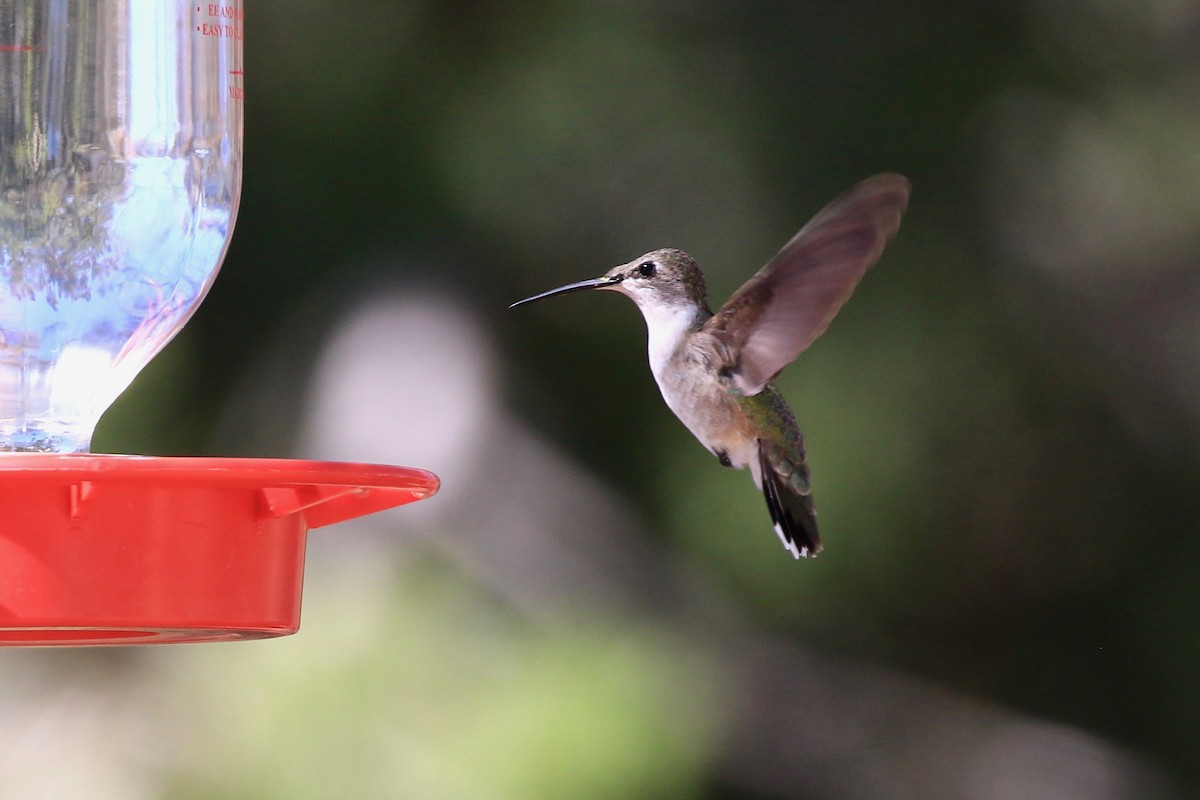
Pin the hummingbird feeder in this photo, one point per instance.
(120, 172)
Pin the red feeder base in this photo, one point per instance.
(100, 549)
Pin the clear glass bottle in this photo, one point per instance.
(120, 170)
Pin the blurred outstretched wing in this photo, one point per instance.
(790, 301)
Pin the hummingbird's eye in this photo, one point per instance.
(646, 269)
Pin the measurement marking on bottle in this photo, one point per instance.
(237, 92)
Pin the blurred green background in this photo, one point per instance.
(1003, 423)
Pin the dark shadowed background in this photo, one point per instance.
(1003, 423)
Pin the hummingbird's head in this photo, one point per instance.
(665, 277)
(661, 278)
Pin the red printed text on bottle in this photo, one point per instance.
(220, 20)
(223, 21)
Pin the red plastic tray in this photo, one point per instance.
(107, 549)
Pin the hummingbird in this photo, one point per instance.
(716, 372)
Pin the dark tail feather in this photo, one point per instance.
(791, 511)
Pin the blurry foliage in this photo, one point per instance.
(459, 699)
(1005, 463)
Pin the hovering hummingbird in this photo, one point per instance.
(716, 370)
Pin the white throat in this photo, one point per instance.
(666, 326)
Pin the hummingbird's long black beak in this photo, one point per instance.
(594, 283)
